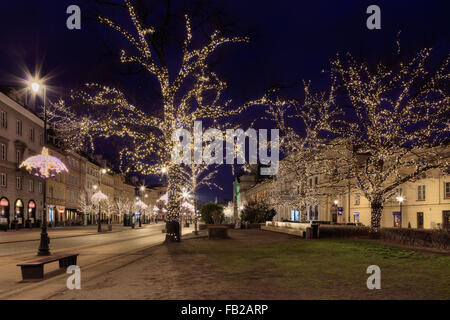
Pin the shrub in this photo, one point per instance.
(212, 212)
(342, 231)
(257, 212)
(420, 237)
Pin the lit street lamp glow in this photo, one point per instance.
(35, 86)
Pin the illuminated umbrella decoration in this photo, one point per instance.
(99, 196)
(45, 164)
(141, 205)
(164, 198)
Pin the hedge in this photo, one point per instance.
(419, 237)
(415, 237)
(342, 231)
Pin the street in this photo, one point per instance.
(98, 253)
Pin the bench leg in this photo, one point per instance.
(69, 261)
(32, 272)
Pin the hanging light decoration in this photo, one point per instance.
(46, 166)
(141, 205)
(99, 196)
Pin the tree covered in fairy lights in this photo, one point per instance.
(396, 127)
(191, 93)
(388, 126)
(305, 128)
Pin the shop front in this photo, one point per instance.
(31, 218)
(73, 217)
(19, 216)
(4, 213)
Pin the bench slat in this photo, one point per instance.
(49, 259)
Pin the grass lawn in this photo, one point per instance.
(268, 265)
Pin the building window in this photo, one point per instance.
(41, 139)
(310, 182)
(40, 187)
(3, 180)
(4, 120)
(30, 185)
(421, 192)
(447, 190)
(3, 152)
(32, 134)
(19, 127)
(18, 157)
(50, 191)
(18, 183)
(316, 181)
(357, 198)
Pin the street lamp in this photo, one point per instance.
(99, 225)
(47, 166)
(400, 199)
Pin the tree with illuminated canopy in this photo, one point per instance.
(191, 93)
(303, 129)
(396, 125)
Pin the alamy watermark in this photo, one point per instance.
(208, 147)
(374, 280)
(73, 281)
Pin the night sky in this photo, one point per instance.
(291, 41)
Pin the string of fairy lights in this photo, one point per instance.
(148, 137)
(396, 112)
(390, 128)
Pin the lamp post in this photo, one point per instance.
(99, 225)
(46, 166)
(44, 249)
(400, 199)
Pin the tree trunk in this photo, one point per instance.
(173, 205)
(375, 218)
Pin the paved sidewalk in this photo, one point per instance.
(114, 252)
(59, 232)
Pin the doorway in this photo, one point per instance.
(419, 220)
(446, 219)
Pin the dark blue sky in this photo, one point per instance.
(292, 40)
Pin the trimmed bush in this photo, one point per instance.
(257, 212)
(418, 237)
(342, 231)
(211, 213)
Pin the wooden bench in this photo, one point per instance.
(35, 269)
